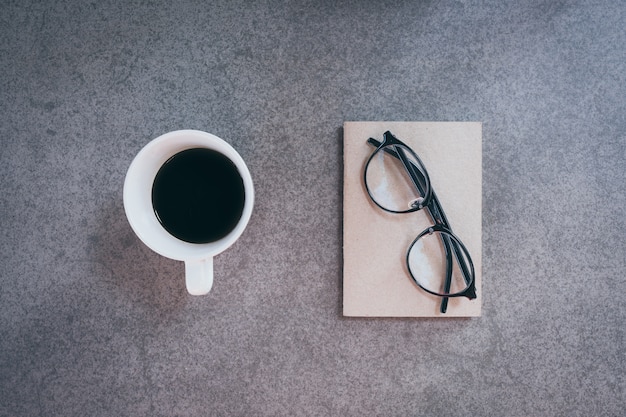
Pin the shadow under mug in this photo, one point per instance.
(198, 257)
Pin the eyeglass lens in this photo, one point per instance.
(389, 182)
(434, 264)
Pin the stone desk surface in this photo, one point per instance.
(93, 323)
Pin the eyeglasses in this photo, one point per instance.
(396, 180)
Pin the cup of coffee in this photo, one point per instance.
(188, 195)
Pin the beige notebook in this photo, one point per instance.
(376, 281)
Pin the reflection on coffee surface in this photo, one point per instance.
(198, 195)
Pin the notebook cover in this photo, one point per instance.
(376, 282)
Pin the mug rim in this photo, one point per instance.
(137, 194)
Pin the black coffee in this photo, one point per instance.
(198, 195)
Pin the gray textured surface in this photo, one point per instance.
(94, 323)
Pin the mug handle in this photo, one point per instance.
(199, 276)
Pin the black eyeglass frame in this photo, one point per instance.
(454, 248)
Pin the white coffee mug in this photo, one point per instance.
(198, 257)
